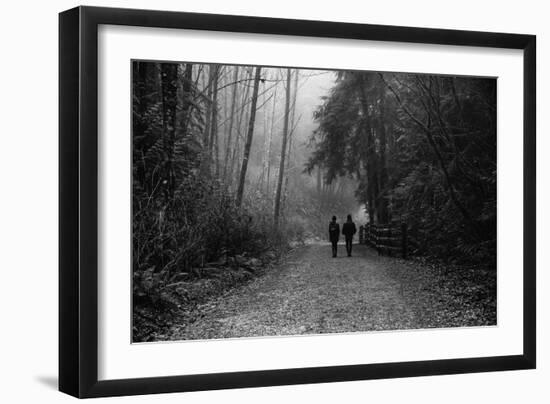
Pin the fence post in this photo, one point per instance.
(376, 239)
(369, 234)
(361, 234)
(389, 244)
(404, 246)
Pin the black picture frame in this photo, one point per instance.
(78, 201)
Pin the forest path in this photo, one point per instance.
(309, 293)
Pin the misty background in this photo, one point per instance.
(235, 166)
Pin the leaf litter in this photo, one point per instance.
(312, 293)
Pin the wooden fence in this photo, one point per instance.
(388, 239)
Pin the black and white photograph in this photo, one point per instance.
(280, 201)
(246, 202)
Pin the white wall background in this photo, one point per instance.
(28, 200)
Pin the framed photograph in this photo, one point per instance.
(251, 201)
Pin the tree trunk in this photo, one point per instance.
(186, 97)
(283, 152)
(265, 124)
(169, 101)
(231, 121)
(250, 134)
(235, 153)
(290, 138)
(371, 162)
(208, 120)
(382, 205)
(213, 136)
(140, 140)
(268, 179)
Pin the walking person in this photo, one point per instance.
(334, 235)
(349, 230)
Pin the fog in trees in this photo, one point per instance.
(233, 166)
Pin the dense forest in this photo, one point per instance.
(234, 165)
(218, 164)
(423, 149)
(218, 173)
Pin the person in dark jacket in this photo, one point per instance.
(348, 230)
(334, 235)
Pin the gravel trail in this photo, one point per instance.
(310, 293)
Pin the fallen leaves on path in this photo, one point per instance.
(312, 293)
